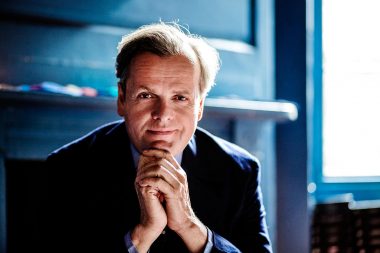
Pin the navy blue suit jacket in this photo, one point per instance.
(92, 202)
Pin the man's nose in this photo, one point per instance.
(162, 110)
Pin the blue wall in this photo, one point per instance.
(212, 18)
(75, 41)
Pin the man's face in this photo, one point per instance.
(162, 105)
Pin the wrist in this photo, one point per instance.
(194, 235)
(143, 237)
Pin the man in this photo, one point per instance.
(154, 181)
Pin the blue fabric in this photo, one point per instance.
(129, 244)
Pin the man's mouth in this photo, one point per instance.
(161, 132)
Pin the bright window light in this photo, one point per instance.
(351, 88)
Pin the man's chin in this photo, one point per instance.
(163, 145)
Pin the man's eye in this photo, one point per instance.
(144, 95)
(180, 98)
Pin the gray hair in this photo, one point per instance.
(168, 39)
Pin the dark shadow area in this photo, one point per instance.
(25, 194)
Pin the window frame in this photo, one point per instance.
(320, 187)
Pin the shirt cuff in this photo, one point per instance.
(209, 244)
(129, 244)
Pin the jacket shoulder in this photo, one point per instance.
(217, 148)
(82, 145)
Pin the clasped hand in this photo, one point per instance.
(163, 194)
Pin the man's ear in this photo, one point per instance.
(201, 106)
(120, 101)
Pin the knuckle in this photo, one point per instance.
(183, 176)
(177, 190)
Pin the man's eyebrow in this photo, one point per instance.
(185, 92)
(142, 87)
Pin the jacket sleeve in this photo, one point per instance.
(220, 244)
(249, 229)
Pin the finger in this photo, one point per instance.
(158, 183)
(158, 171)
(153, 161)
(169, 162)
(149, 162)
(160, 153)
(147, 191)
(144, 160)
(150, 204)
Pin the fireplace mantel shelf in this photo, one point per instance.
(277, 111)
